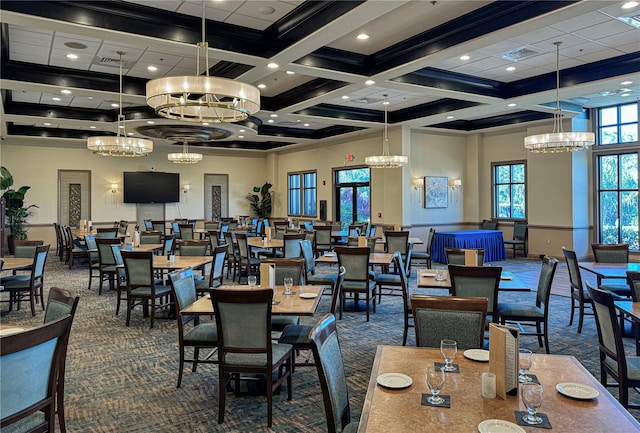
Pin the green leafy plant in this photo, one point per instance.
(15, 212)
(261, 205)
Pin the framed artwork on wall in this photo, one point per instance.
(436, 192)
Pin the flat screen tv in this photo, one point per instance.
(151, 187)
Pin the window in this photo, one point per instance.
(618, 124)
(352, 195)
(509, 190)
(302, 193)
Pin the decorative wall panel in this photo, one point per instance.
(75, 204)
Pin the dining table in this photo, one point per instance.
(258, 242)
(491, 240)
(631, 310)
(180, 262)
(80, 234)
(303, 301)
(398, 407)
(15, 263)
(377, 259)
(609, 270)
(509, 282)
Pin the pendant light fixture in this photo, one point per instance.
(202, 98)
(120, 144)
(558, 140)
(185, 157)
(385, 160)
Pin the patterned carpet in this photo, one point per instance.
(122, 379)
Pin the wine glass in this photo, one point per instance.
(288, 282)
(252, 280)
(448, 348)
(532, 399)
(525, 359)
(435, 382)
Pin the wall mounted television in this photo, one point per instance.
(151, 187)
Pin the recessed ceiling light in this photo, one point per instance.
(626, 83)
(266, 10)
(129, 133)
(261, 86)
(114, 105)
(90, 98)
(450, 117)
(272, 65)
(385, 103)
(150, 122)
(363, 36)
(513, 104)
(369, 82)
(55, 98)
(273, 115)
(65, 91)
(72, 56)
(345, 97)
(290, 72)
(624, 95)
(306, 124)
(47, 124)
(240, 136)
(465, 57)
(151, 68)
(205, 123)
(629, 5)
(270, 121)
(92, 127)
(242, 130)
(511, 68)
(121, 126)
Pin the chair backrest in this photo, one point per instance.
(167, 246)
(111, 232)
(397, 241)
(545, 280)
(335, 295)
(25, 249)
(183, 289)
(372, 230)
(609, 333)
(432, 233)
(520, 231)
(151, 237)
(186, 231)
(243, 319)
(138, 266)
(323, 236)
(610, 253)
(293, 268)
(60, 302)
(243, 244)
(105, 254)
(158, 226)
(356, 261)
(306, 248)
(123, 226)
(489, 225)
(193, 247)
(292, 245)
(449, 318)
(148, 225)
(333, 383)
(633, 278)
(219, 254)
(575, 278)
(477, 281)
(214, 238)
(211, 225)
(456, 256)
(30, 366)
(37, 269)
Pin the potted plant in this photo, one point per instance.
(261, 205)
(15, 212)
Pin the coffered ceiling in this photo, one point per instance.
(456, 66)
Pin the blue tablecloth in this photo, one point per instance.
(490, 240)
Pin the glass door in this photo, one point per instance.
(353, 198)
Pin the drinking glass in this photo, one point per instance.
(252, 280)
(532, 399)
(525, 358)
(288, 282)
(435, 382)
(448, 348)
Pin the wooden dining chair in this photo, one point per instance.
(31, 285)
(612, 253)
(456, 256)
(580, 299)
(520, 239)
(477, 281)
(358, 280)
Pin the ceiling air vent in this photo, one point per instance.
(519, 54)
(110, 61)
(631, 19)
(368, 101)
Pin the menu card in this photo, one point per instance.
(471, 257)
(268, 275)
(267, 232)
(504, 343)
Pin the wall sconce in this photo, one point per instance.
(114, 188)
(185, 188)
(417, 183)
(455, 184)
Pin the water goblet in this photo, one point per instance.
(532, 400)
(252, 280)
(288, 282)
(525, 359)
(435, 382)
(448, 348)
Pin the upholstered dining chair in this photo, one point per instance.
(449, 317)
(456, 256)
(477, 281)
(110, 232)
(313, 278)
(625, 370)
(580, 299)
(533, 315)
(291, 242)
(158, 226)
(216, 275)
(358, 280)
(107, 268)
(120, 276)
(393, 284)
(199, 335)
(30, 363)
(141, 285)
(418, 256)
(150, 237)
(243, 320)
(75, 248)
(148, 225)
(26, 249)
(186, 232)
(323, 338)
(246, 264)
(489, 225)
(191, 247)
(612, 253)
(323, 239)
(633, 279)
(397, 241)
(520, 239)
(60, 303)
(30, 285)
(294, 269)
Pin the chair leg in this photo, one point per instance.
(32, 301)
(573, 308)
(269, 399)
(222, 389)
(581, 317)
